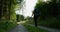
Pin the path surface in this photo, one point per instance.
(19, 28)
(49, 29)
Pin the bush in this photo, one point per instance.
(6, 25)
(51, 22)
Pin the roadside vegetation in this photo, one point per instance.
(34, 29)
(8, 15)
(5, 26)
(49, 14)
(51, 22)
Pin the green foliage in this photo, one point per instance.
(7, 8)
(50, 22)
(7, 14)
(5, 26)
(30, 22)
(50, 13)
(20, 17)
(48, 9)
(28, 18)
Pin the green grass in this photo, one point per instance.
(34, 29)
(30, 22)
(50, 22)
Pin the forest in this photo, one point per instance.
(49, 14)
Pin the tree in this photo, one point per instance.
(49, 8)
(7, 9)
(20, 17)
(50, 13)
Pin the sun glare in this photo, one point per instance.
(44, 0)
(28, 8)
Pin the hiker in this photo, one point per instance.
(36, 14)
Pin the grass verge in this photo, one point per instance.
(34, 29)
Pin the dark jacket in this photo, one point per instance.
(36, 12)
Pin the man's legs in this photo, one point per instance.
(35, 20)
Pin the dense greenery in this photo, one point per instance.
(6, 25)
(50, 13)
(19, 17)
(7, 14)
(7, 9)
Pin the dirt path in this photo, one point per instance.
(19, 28)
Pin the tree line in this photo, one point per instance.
(50, 13)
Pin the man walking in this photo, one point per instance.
(36, 15)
